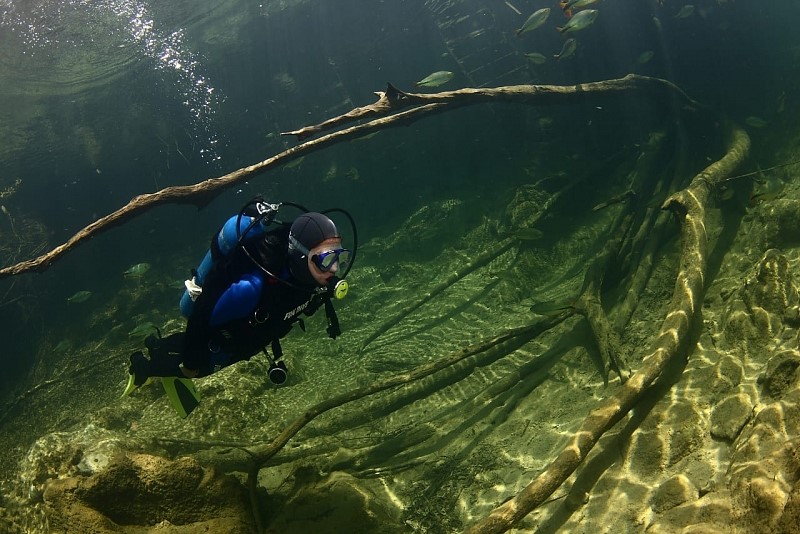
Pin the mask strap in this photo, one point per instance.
(297, 245)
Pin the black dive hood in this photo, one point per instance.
(306, 232)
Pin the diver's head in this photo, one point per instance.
(315, 250)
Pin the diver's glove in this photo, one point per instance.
(192, 288)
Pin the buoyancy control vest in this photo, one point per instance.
(250, 242)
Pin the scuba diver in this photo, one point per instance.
(257, 279)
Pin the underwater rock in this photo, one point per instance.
(790, 518)
(729, 416)
(728, 374)
(765, 463)
(779, 222)
(674, 491)
(756, 315)
(685, 429)
(337, 502)
(146, 491)
(771, 285)
(647, 452)
(764, 499)
(63, 454)
(668, 435)
(720, 379)
(780, 373)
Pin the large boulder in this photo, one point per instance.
(137, 492)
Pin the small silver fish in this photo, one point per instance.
(143, 329)
(80, 296)
(134, 271)
(536, 58)
(551, 307)
(436, 79)
(755, 122)
(766, 189)
(685, 12)
(570, 45)
(534, 21)
(526, 234)
(645, 57)
(657, 23)
(579, 21)
(574, 5)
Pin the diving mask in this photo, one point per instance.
(326, 260)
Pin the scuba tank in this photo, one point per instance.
(238, 229)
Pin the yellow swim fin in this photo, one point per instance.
(182, 394)
(130, 386)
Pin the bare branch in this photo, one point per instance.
(388, 112)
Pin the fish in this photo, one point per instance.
(570, 45)
(766, 189)
(657, 23)
(143, 329)
(526, 234)
(436, 79)
(294, 163)
(504, 276)
(568, 6)
(685, 12)
(645, 57)
(551, 307)
(534, 21)
(755, 122)
(135, 271)
(536, 58)
(579, 21)
(80, 296)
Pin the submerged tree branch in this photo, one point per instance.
(388, 110)
(261, 454)
(394, 99)
(689, 205)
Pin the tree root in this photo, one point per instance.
(589, 305)
(388, 109)
(495, 348)
(689, 206)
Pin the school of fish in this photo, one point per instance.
(579, 17)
